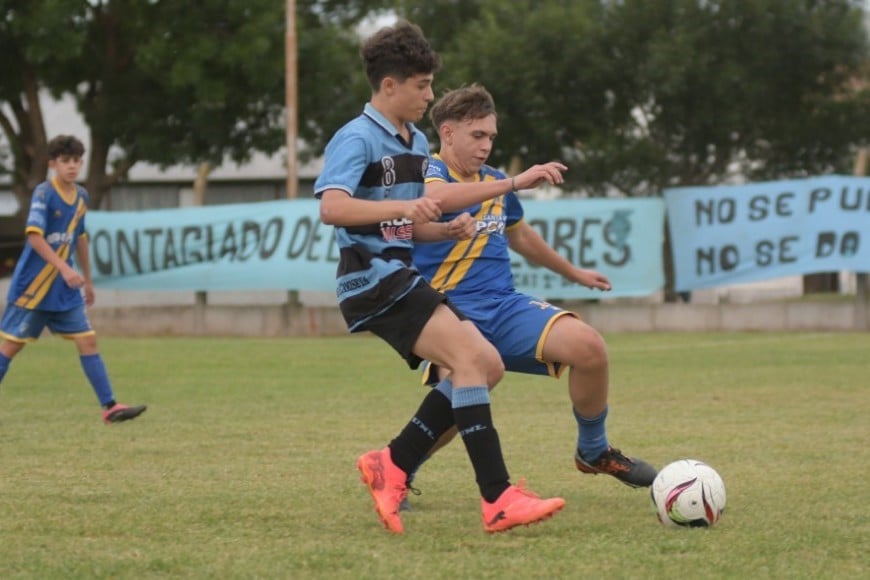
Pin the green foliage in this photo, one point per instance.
(175, 82)
(635, 95)
(639, 95)
(37, 39)
(243, 465)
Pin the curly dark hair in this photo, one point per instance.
(467, 103)
(400, 51)
(65, 145)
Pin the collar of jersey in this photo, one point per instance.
(378, 118)
(68, 198)
(456, 177)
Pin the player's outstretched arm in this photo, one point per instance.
(526, 241)
(338, 208)
(458, 196)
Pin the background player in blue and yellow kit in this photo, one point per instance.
(45, 289)
(371, 189)
(531, 335)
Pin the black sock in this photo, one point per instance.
(484, 450)
(433, 419)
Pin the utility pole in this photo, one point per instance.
(291, 94)
(291, 98)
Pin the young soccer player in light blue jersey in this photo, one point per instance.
(531, 335)
(46, 290)
(371, 189)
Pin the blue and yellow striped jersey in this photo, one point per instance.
(481, 264)
(60, 218)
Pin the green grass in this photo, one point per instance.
(243, 466)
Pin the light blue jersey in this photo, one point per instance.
(368, 159)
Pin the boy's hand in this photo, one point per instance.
(423, 210)
(537, 174)
(593, 280)
(462, 227)
(89, 294)
(72, 278)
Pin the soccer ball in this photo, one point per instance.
(688, 493)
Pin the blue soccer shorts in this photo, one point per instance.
(517, 325)
(23, 325)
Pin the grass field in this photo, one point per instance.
(243, 466)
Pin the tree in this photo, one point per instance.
(34, 42)
(172, 82)
(639, 95)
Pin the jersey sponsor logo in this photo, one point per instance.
(59, 238)
(36, 219)
(434, 170)
(353, 284)
(491, 225)
(397, 229)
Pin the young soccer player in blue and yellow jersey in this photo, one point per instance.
(371, 189)
(531, 335)
(46, 290)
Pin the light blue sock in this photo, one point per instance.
(592, 435)
(4, 365)
(470, 397)
(446, 389)
(95, 370)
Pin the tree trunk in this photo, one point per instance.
(96, 181)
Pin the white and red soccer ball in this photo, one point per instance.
(688, 493)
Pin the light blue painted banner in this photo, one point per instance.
(264, 245)
(283, 245)
(621, 238)
(736, 234)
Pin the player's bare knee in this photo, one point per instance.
(494, 367)
(86, 344)
(484, 358)
(592, 350)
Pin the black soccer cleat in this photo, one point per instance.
(630, 471)
(121, 412)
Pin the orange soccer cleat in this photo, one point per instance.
(386, 484)
(517, 506)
